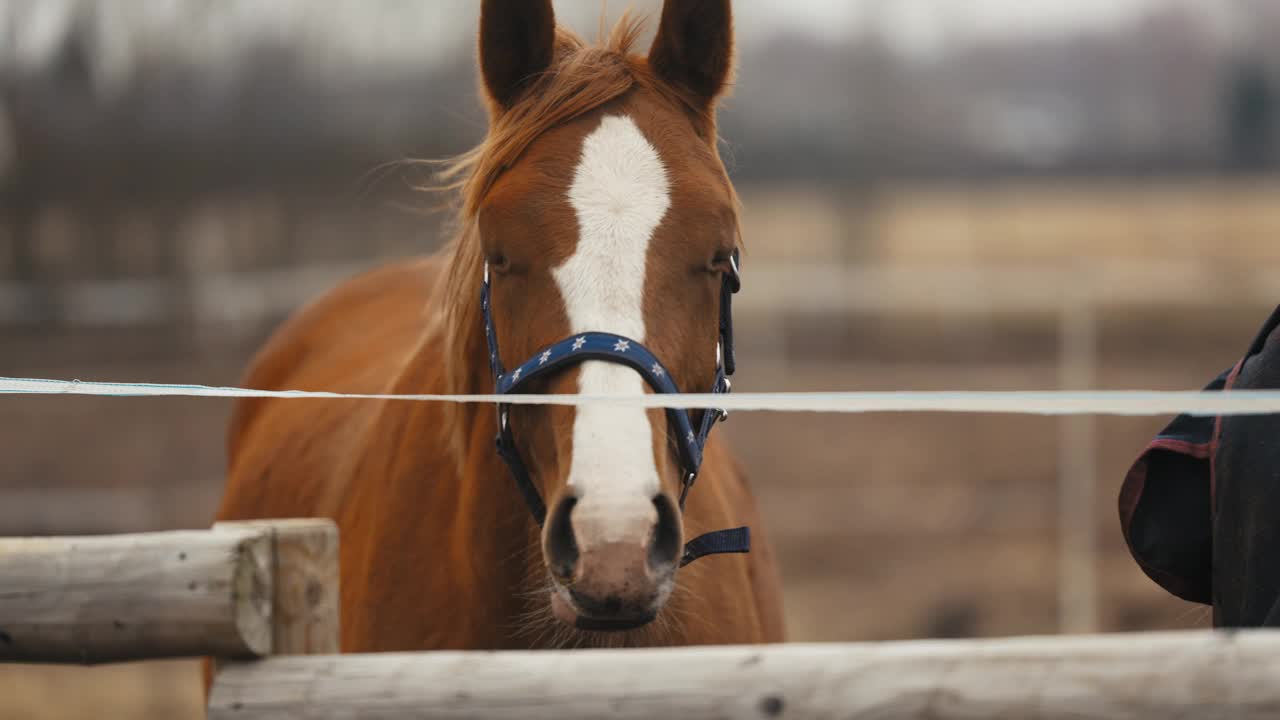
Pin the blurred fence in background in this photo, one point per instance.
(939, 286)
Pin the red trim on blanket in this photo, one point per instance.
(1200, 451)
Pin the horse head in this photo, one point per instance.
(601, 209)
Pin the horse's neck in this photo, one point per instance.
(445, 494)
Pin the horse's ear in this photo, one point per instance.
(517, 44)
(694, 48)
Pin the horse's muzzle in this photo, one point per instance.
(590, 615)
(593, 625)
(613, 560)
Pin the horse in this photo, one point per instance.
(597, 237)
(1200, 508)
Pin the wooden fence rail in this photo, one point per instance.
(269, 590)
(1200, 675)
(175, 594)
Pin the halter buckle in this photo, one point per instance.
(502, 419)
(486, 272)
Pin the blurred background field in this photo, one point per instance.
(993, 196)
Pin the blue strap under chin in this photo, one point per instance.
(690, 439)
(721, 542)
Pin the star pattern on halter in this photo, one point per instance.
(622, 346)
(545, 357)
(577, 344)
(657, 370)
(517, 373)
(692, 437)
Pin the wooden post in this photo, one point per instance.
(306, 601)
(1202, 675)
(1077, 475)
(134, 597)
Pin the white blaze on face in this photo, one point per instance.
(621, 194)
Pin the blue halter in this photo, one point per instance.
(690, 437)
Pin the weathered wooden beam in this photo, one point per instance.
(305, 605)
(132, 597)
(1135, 677)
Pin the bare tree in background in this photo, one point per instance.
(1250, 115)
(13, 199)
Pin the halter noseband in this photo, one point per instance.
(690, 438)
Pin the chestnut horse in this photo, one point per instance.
(597, 203)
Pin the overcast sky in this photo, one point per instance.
(922, 24)
(425, 31)
(917, 21)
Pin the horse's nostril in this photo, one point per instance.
(664, 545)
(562, 546)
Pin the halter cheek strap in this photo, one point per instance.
(608, 347)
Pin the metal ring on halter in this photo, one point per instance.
(502, 420)
(685, 486)
(719, 355)
(486, 273)
(733, 263)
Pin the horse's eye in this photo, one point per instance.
(498, 261)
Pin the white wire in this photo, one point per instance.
(1124, 403)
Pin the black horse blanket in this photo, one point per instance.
(1200, 509)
